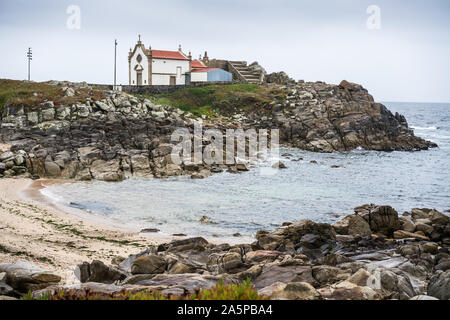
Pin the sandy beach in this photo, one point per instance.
(44, 235)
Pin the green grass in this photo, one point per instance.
(31, 94)
(216, 99)
(243, 291)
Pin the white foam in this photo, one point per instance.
(423, 128)
(51, 196)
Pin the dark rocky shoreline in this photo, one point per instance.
(374, 254)
(121, 136)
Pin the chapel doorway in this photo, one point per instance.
(139, 78)
(173, 80)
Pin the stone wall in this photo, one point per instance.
(166, 89)
(217, 63)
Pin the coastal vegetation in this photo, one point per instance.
(241, 291)
(32, 94)
(215, 100)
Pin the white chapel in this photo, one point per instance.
(161, 67)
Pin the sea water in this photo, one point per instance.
(244, 203)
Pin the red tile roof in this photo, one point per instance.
(171, 55)
(204, 69)
(198, 64)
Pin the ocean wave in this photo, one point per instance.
(423, 128)
(53, 197)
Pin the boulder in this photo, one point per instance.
(430, 247)
(279, 165)
(312, 239)
(97, 271)
(251, 273)
(241, 167)
(230, 262)
(83, 272)
(409, 250)
(398, 284)
(180, 267)
(48, 114)
(400, 234)
(261, 256)
(202, 174)
(149, 265)
(6, 156)
(190, 282)
(52, 169)
(423, 297)
(349, 291)
(196, 244)
(272, 273)
(290, 291)
(361, 278)
(127, 263)
(353, 225)
(107, 170)
(420, 213)
(140, 165)
(325, 274)
(443, 265)
(333, 259)
(23, 276)
(384, 220)
(425, 228)
(439, 286)
(437, 217)
(5, 290)
(408, 225)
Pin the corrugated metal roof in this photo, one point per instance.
(204, 69)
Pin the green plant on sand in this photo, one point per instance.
(242, 291)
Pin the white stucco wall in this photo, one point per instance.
(144, 64)
(199, 76)
(164, 68)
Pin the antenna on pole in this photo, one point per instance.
(30, 57)
(115, 62)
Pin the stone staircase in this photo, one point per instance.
(243, 73)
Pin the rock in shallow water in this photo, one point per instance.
(353, 225)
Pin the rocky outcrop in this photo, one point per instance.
(303, 260)
(114, 136)
(322, 117)
(110, 139)
(279, 78)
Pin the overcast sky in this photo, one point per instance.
(407, 59)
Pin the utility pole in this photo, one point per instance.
(30, 57)
(115, 61)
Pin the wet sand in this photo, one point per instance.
(35, 230)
